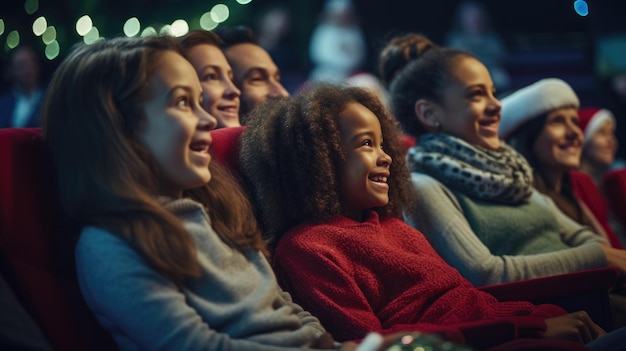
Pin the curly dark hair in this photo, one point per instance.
(291, 154)
(412, 67)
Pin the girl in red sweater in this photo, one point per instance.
(330, 161)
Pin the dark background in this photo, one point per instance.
(543, 37)
(526, 26)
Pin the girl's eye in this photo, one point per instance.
(367, 143)
(182, 102)
(210, 76)
(476, 93)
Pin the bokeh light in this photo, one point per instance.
(132, 27)
(149, 32)
(179, 28)
(39, 26)
(13, 39)
(581, 7)
(206, 22)
(52, 50)
(92, 36)
(244, 2)
(166, 30)
(1, 26)
(220, 13)
(84, 25)
(49, 35)
(31, 6)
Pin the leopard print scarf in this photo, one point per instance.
(502, 175)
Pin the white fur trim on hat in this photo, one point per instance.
(534, 100)
(596, 122)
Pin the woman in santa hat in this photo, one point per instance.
(541, 122)
(599, 143)
(598, 159)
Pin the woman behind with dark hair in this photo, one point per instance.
(477, 204)
(541, 122)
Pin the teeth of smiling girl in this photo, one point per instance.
(379, 179)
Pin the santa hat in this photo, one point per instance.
(533, 101)
(592, 118)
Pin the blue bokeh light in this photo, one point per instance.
(581, 7)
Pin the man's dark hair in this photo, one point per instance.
(232, 35)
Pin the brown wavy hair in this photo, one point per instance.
(291, 155)
(412, 67)
(91, 118)
(197, 37)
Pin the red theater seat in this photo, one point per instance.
(586, 190)
(34, 247)
(614, 184)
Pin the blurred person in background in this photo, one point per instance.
(276, 35)
(473, 32)
(21, 106)
(337, 47)
(599, 156)
(600, 142)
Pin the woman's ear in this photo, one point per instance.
(427, 114)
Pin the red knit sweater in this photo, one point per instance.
(383, 275)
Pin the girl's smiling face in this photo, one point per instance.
(470, 109)
(176, 131)
(363, 176)
(221, 96)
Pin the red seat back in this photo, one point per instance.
(586, 190)
(36, 245)
(225, 147)
(614, 184)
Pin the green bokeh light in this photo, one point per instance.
(40, 25)
(31, 6)
(220, 13)
(52, 50)
(206, 22)
(13, 39)
(132, 27)
(49, 35)
(84, 25)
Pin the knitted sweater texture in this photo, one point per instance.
(235, 305)
(491, 243)
(383, 275)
